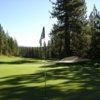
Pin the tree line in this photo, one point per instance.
(34, 52)
(8, 45)
(73, 34)
(30, 52)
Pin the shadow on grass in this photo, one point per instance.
(87, 76)
(17, 62)
(12, 88)
(81, 80)
(17, 87)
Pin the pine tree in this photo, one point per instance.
(95, 27)
(8, 46)
(71, 16)
(57, 44)
(1, 39)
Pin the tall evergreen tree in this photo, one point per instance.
(1, 39)
(8, 46)
(71, 15)
(57, 41)
(95, 27)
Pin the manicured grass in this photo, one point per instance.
(23, 79)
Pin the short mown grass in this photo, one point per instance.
(24, 79)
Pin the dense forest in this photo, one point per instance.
(8, 45)
(72, 34)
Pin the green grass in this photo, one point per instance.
(23, 79)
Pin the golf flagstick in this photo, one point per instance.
(45, 73)
(43, 54)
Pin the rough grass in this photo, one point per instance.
(23, 79)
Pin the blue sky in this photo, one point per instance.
(90, 5)
(24, 19)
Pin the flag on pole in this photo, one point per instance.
(43, 53)
(42, 36)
